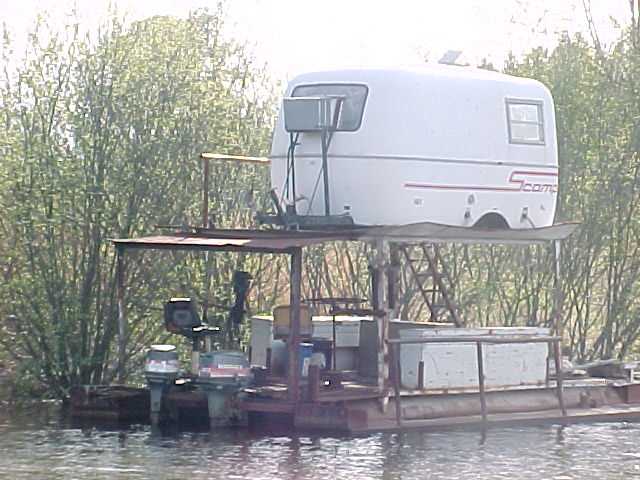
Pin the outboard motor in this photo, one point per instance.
(222, 375)
(161, 369)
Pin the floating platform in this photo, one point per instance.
(357, 407)
(110, 402)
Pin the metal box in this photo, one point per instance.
(454, 365)
(305, 114)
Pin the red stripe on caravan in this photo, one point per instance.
(459, 187)
(519, 188)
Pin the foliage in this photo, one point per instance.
(100, 139)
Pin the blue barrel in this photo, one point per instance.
(304, 357)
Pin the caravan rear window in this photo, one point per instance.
(525, 121)
(352, 106)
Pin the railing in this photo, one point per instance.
(394, 344)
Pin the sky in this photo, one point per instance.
(294, 36)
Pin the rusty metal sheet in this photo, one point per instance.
(259, 244)
(437, 233)
(285, 241)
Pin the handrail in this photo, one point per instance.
(475, 339)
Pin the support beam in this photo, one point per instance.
(557, 355)
(379, 303)
(392, 278)
(483, 400)
(395, 350)
(558, 325)
(324, 139)
(205, 193)
(122, 316)
(557, 291)
(420, 375)
(294, 329)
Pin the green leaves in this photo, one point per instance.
(100, 138)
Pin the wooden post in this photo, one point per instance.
(205, 193)
(268, 360)
(557, 355)
(122, 315)
(395, 350)
(314, 383)
(294, 326)
(420, 375)
(483, 400)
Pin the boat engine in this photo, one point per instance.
(220, 374)
(161, 369)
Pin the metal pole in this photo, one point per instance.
(483, 400)
(381, 321)
(557, 291)
(395, 350)
(325, 171)
(205, 193)
(559, 327)
(392, 278)
(558, 362)
(122, 317)
(294, 328)
(334, 346)
(420, 375)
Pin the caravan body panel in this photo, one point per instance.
(441, 144)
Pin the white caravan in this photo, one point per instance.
(445, 144)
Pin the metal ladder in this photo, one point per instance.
(438, 293)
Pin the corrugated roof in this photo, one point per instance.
(226, 242)
(283, 241)
(437, 233)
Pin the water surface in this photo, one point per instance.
(39, 442)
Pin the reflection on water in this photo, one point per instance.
(39, 443)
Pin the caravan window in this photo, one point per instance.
(525, 121)
(352, 106)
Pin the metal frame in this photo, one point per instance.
(552, 341)
(295, 254)
(385, 241)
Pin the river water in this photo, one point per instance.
(39, 442)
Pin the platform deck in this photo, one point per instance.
(611, 413)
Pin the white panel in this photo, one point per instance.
(418, 157)
(454, 365)
(347, 331)
(261, 338)
(346, 358)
